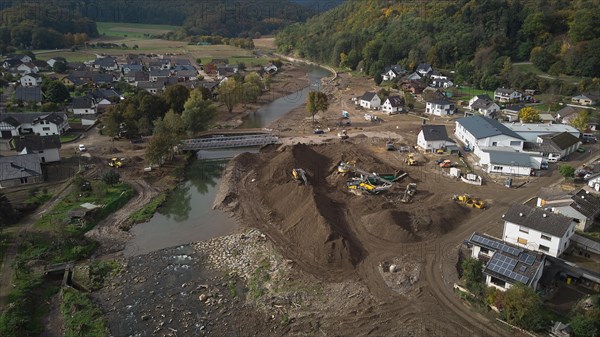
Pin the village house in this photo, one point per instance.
(537, 229)
(31, 80)
(440, 107)
(503, 95)
(11, 64)
(41, 65)
(19, 57)
(153, 87)
(505, 264)
(29, 94)
(414, 86)
(128, 68)
(483, 105)
(511, 111)
(585, 99)
(593, 181)
(553, 146)
(441, 83)
(45, 147)
(83, 106)
(107, 63)
(20, 170)
(507, 161)
(392, 72)
(414, 76)
(159, 75)
(28, 68)
(424, 69)
(583, 206)
(370, 100)
(433, 137)
(51, 62)
(33, 123)
(392, 104)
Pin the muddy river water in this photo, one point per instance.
(187, 215)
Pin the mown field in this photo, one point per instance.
(133, 30)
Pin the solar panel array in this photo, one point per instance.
(526, 258)
(504, 266)
(497, 245)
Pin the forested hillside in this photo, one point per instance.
(239, 18)
(42, 26)
(477, 38)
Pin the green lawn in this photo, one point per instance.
(470, 92)
(69, 137)
(70, 56)
(132, 30)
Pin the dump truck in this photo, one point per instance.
(115, 162)
(299, 175)
(469, 201)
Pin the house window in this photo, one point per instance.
(522, 241)
(523, 230)
(484, 251)
(23, 180)
(498, 282)
(546, 237)
(494, 143)
(497, 168)
(515, 143)
(46, 128)
(544, 248)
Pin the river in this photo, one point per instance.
(187, 215)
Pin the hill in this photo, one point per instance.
(42, 26)
(477, 38)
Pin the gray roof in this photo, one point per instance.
(133, 67)
(150, 85)
(538, 219)
(33, 117)
(22, 166)
(434, 132)
(504, 91)
(424, 66)
(483, 127)
(586, 203)
(589, 95)
(440, 101)
(29, 94)
(567, 111)
(553, 193)
(82, 103)
(519, 159)
(160, 73)
(36, 143)
(514, 108)
(509, 263)
(563, 140)
(482, 103)
(103, 78)
(105, 61)
(395, 101)
(368, 96)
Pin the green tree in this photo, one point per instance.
(254, 78)
(566, 171)
(585, 326)
(197, 112)
(581, 121)
(585, 25)
(56, 92)
(250, 92)
(59, 67)
(111, 120)
(229, 93)
(523, 307)
(315, 102)
(473, 275)
(8, 215)
(529, 115)
(175, 96)
(110, 177)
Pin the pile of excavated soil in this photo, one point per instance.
(322, 225)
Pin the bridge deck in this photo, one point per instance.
(229, 142)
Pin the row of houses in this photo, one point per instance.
(534, 239)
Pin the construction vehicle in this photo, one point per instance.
(389, 145)
(345, 167)
(411, 190)
(343, 134)
(115, 162)
(469, 201)
(299, 175)
(446, 163)
(411, 160)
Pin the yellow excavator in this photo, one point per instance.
(299, 175)
(411, 160)
(345, 167)
(115, 162)
(469, 201)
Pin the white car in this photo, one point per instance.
(81, 147)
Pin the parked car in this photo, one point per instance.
(82, 147)
(581, 150)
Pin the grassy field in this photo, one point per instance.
(530, 68)
(470, 92)
(70, 56)
(133, 30)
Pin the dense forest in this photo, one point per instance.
(476, 38)
(239, 18)
(41, 26)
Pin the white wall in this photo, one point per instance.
(86, 111)
(556, 245)
(437, 109)
(508, 170)
(595, 184)
(46, 156)
(570, 212)
(431, 145)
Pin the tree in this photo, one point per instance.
(8, 215)
(111, 120)
(111, 177)
(566, 171)
(529, 115)
(581, 121)
(473, 275)
(523, 307)
(229, 93)
(175, 96)
(585, 326)
(56, 92)
(59, 67)
(197, 112)
(250, 92)
(315, 102)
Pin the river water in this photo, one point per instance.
(187, 215)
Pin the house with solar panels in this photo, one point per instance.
(538, 229)
(505, 264)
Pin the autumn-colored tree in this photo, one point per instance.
(529, 115)
(229, 93)
(581, 121)
(523, 307)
